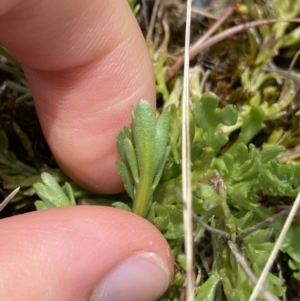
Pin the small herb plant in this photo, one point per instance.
(144, 152)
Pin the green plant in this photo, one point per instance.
(143, 149)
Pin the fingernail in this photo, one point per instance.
(142, 277)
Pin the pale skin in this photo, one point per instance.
(87, 65)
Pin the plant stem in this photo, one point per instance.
(143, 197)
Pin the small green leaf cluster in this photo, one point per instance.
(52, 194)
(143, 150)
(55, 191)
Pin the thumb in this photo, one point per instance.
(82, 253)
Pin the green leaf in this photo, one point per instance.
(253, 124)
(25, 140)
(239, 195)
(229, 115)
(205, 160)
(51, 193)
(120, 145)
(144, 152)
(160, 169)
(229, 162)
(208, 116)
(67, 189)
(131, 159)
(207, 291)
(144, 131)
(42, 205)
(126, 178)
(161, 138)
(14, 71)
(122, 206)
(7, 55)
(161, 216)
(241, 152)
(175, 228)
(270, 153)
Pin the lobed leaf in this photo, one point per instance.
(252, 125)
(208, 117)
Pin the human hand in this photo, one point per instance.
(87, 65)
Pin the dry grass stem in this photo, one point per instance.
(9, 198)
(153, 18)
(186, 165)
(276, 248)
